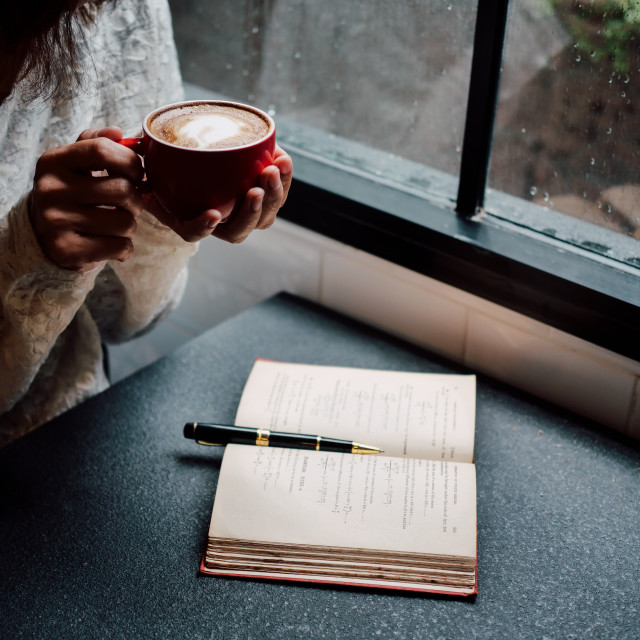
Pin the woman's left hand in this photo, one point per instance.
(257, 210)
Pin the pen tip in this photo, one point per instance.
(365, 448)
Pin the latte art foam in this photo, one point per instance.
(207, 130)
(208, 126)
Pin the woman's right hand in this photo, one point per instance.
(80, 218)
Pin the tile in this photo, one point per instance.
(458, 296)
(594, 351)
(265, 263)
(379, 298)
(225, 279)
(590, 387)
(507, 316)
(209, 300)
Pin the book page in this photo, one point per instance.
(419, 415)
(337, 500)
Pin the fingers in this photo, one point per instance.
(243, 221)
(74, 190)
(78, 252)
(257, 210)
(81, 219)
(93, 221)
(190, 230)
(94, 154)
(285, 166)
(113, 133)
(200, 227)
(275, 181)
(79, 238)
(274, 196)
(261, 204)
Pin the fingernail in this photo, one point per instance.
(274, 180)
(256, 206)
(212, 224)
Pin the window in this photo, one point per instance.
(567, 135)
(389, 112)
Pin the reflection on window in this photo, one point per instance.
(568, 125)
(383, 86)
(391, 75)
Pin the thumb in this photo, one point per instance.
(113, 133)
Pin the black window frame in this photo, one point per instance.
(564, 286)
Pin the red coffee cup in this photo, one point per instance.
(188, 181)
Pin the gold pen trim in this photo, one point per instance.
(262, 437)
(364, 448)
(318, 440)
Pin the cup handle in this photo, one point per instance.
(139, 145)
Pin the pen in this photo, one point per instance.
(219, 435)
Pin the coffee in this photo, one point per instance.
(208, 125)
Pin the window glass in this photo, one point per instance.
(392, 76)
(567, 133)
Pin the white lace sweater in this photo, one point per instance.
(52, 321)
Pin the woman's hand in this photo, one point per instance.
(258, 209)
(81, 219)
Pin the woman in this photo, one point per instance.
(85, 258)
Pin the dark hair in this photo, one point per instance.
(42, 44)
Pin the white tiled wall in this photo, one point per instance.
(558, 367)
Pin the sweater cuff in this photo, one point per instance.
(152, 237)
(23, 255)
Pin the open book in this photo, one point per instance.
(403, 519)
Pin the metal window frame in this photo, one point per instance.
(564, 286)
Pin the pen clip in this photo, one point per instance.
(210, 444)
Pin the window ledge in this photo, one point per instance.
(404, 212)
(565, 286)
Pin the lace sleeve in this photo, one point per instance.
(130, 297)
(38, 300)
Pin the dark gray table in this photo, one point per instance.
(104, 511)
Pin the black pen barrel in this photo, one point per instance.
(301, 441)
(226, 434)
(219, 434)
